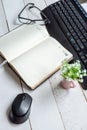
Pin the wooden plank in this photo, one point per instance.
(9, 88)
(71, 103)
(3, 24)
(9, 81)
(12, 9)
(44, 113)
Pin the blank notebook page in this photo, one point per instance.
(35, 65)
(20, 40)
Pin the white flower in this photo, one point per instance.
(78, 61)
(84, 71)
(73, 71)
(81, 80)
(80, 76)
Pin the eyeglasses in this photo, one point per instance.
(25, 20)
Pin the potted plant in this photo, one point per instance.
(71, 72)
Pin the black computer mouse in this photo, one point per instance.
(20, 109)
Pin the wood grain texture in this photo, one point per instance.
(10, 87)
(9, 81)
(71, 103)
(3, 24)
(12, 9)
(44, 113)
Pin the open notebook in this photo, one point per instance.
(32, 53)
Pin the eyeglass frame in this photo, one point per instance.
(45, 20)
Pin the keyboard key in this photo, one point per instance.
(80, 44)
(85, 61)
(81, 54)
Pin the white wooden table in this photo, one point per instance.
(53, 107)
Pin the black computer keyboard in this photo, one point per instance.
(68, 24)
